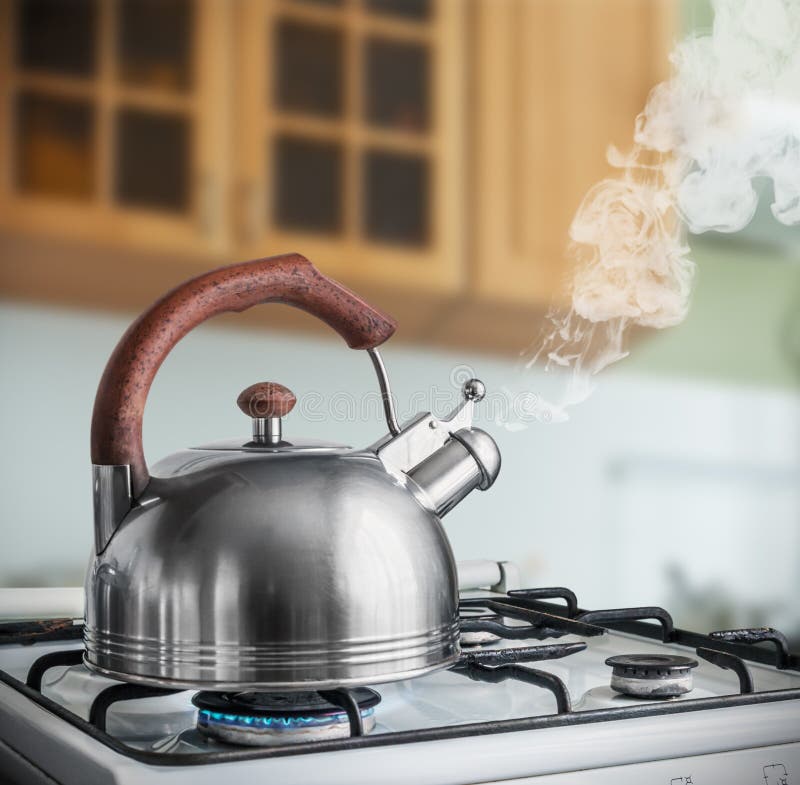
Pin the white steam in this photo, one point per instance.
(729, 113)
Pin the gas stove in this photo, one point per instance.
(544, 691)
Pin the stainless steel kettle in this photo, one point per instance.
(269, 563)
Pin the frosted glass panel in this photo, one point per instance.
(396, 195)
(154, 41)
(396, 82)
(309, 68)
(54, 153)
(152, 160)
(58, 36)
(308, 184)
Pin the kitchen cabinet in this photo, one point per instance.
(428, 153)
(349, 137)
(556, 82)
(111, 122)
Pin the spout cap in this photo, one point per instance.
(484, 450)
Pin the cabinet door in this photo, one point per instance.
(557, 81)
(113, 120)
(349, 137)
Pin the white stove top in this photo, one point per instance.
(504, 731)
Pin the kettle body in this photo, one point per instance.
(273, 570)
(271, 564)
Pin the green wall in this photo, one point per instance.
(744, 321)
(743, 324)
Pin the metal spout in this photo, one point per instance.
(469, 459)
(444, 459)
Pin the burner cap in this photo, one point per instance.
(261, 718)
(651, 675)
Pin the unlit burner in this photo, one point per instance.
(651, 675)
(260, 719)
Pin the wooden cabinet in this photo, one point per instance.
(429, 153)
(556, 82)
(349, 136)
(553, 83)
(111, 121)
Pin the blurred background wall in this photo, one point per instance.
(430, 154)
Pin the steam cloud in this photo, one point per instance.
(729, 113)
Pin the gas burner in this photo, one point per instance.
(651, 675)
(261, 719)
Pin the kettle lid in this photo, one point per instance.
(267, 403)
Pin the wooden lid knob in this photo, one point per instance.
(266, 399)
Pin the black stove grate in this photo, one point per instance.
(30, 632)
(742, 643)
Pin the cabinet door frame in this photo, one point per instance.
(204, 227)
(437, 268)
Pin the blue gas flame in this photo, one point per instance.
(207, 717)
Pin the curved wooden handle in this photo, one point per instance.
(266, 399)
(290, 279)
